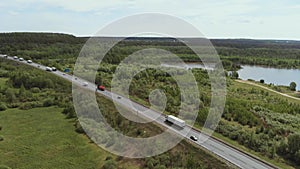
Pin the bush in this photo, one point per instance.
(2, 106)
(13, 105)
(25, 106)
(108, 158)
(69, 111)
(4, 167)
(1, 138)
(262, 81)
(48, 103)
(293, 86)
(78, 127)
(110, 164)
(35, 90)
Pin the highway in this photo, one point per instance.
(230, 154)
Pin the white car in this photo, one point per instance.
(85, 84)
(15, 57)
(29, 61)
(48, 69)
(194, 138)
(53, 68)
(21, 59)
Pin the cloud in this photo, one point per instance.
(215, 18)
(14, 13)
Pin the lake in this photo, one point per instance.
(270, 75)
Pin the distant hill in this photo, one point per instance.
(46, 38)
(250, 43)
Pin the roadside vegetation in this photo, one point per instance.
(289, 90)
(39, 128)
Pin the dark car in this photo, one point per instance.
(194, 138)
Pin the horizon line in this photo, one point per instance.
(109, 36)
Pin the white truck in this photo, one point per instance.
(174, 120)
(48, 69)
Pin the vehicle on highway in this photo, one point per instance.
(119, 97)
(29, 61)
(194, 138)
(174, 120)
(53, 68)
(15, 57)
(48, 69)
(85, 84)
(100, 87)
(21, 59)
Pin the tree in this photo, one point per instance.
(2, 106)
(262, 81)
(10, 96)
(293, 86)
(235, 75)
(294, 143)
(297, 156)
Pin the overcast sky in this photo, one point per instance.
(259, 19)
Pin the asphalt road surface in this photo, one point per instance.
(234, 156)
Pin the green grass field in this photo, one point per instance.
(43, 138)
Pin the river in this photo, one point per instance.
(269, 75)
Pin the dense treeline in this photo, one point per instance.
(63, 49)
(41, 46)
(40, 38)
(26, 87)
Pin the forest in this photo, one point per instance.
(63, 49)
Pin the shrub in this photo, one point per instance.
(4, 167)
(48, 103)
(35, 90)
(1, 138)
(108, 158)
(262, 81)
(13, 105)
(110, 164)
(69, 111)
(293, 86)
(78, 127)
(2, 106)
(26, 106)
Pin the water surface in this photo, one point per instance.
(271, 75)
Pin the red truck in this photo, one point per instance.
(102, 88)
